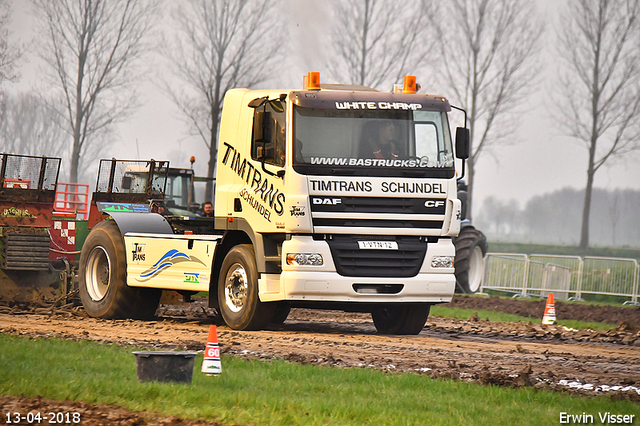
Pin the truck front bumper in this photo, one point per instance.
(331, 287)
(324, 284)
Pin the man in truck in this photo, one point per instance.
(207, 208)
(379, 141)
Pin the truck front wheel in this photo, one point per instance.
(281, 312)
(240, 305)
(103, 278)
(401, 318)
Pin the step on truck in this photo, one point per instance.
(332, 196)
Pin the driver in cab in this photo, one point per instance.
(378, 141)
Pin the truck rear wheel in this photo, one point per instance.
(471, 246)
(401, 319)
(103, 278)
(240, 305)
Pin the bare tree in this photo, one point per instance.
(488, 49)
(376, 42)
(92, 49)
(502, 218)
(30, 127)
(8, 54)
(220, 44)
(601, 84)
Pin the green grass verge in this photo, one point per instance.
(465, 314)
(277, 392)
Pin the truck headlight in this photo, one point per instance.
(299, 259)
(442, 262)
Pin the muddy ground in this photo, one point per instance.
(506, 354)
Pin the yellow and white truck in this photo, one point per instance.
(333, 196)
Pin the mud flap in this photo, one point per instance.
(147, 223)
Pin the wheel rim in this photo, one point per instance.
(236, 287)
(476, 269)
(98, 274)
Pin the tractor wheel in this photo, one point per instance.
(103, 278)
(240, 305)
(471, 246)
(401, 319)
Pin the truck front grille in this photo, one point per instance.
(351, 261)
(377, 205)
(378, 223)
(329, 213)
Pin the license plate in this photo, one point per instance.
(378, 245)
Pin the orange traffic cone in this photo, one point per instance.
(211, 363)
(549, 316)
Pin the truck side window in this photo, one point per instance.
(273, 152)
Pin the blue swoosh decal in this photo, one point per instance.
(171, 254)
(167, 260)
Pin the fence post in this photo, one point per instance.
(545, 275)
(579, 286)
(525, 278)
(636, 278)
(485, 272)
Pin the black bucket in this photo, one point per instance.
(165, 366)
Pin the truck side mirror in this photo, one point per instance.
(462, 142)
(261, 132)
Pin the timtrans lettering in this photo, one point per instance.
(262, 188)
(138, 254)
(341, 185)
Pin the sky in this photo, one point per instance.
(541, 159)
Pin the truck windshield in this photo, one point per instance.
(372, 142)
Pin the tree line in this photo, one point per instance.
(555, 218)
(484, 54)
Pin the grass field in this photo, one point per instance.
(278, 392)
(464, 314)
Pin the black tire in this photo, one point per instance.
(401, 318)
(281, 313)
(102, 275)
(471, 247)
(240, 305)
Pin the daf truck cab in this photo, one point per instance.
(334, 197)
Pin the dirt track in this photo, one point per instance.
(505, 354)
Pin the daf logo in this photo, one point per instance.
(433, 203)
(329, 201)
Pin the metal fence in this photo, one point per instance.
(568, 277)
